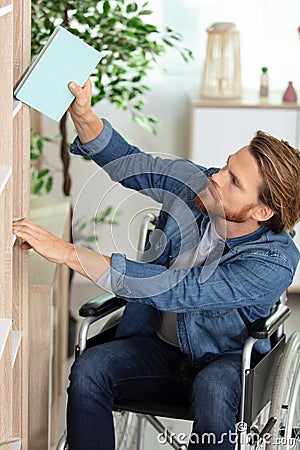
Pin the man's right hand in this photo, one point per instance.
(87, 124)
(82, 104)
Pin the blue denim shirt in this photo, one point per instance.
(240, 280)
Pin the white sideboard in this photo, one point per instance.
(219, 128)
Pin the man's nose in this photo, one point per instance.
(216, 179)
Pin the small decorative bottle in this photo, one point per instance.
(264, 82)
(290, 93)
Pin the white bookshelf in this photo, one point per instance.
(5, 174)
(5, 325)
(5, 10)
(17, 105)
(15, 20)
(16, 340)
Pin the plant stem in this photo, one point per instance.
(64, 154)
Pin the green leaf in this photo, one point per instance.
(49, 184)
(42, 173)
(91, 238)
(39, 144)
(130, 34)
(142, 121)
(132, 95)
(37, 187)
(153, 120)
(106, 8)
(34, 155)
(98, 219)
(175, 37)
(131, 7)
(108, 210)
(135, 22)
(80, 226)
(145, 12)
(169, 43)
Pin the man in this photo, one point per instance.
(219, 258)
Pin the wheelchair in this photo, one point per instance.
(269, 413)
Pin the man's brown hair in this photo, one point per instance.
(279, 165)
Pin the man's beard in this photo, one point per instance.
(218, 210)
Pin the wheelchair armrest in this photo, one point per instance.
(264, 328)
(101, 306)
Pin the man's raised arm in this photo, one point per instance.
(154, 176)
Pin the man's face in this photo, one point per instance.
(233, 192)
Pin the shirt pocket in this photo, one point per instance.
(218, 331)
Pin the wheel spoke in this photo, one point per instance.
(285, 403)
(125, 430)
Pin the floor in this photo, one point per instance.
(83, 290)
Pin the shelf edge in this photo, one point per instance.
(5, 325)
(5, 174)
(16, 340)
(17, 105)
(6, 9)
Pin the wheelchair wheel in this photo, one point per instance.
(285, 403)
(125, 430)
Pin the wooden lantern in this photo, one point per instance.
(222, 68)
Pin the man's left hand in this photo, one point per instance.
(42, 241)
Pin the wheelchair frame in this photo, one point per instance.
(259, 381)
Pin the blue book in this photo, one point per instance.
(64, 58)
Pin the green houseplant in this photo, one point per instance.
(41, 179)
(130, 45)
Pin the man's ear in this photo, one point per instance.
(262, 213)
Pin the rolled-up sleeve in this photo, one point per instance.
(94, 146)
(104, 281)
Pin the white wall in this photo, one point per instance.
(268, 37)
(268, 34)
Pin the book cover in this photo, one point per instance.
(64, 58)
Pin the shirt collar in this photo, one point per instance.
(232, 242)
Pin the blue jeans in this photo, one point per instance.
(146, 368)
